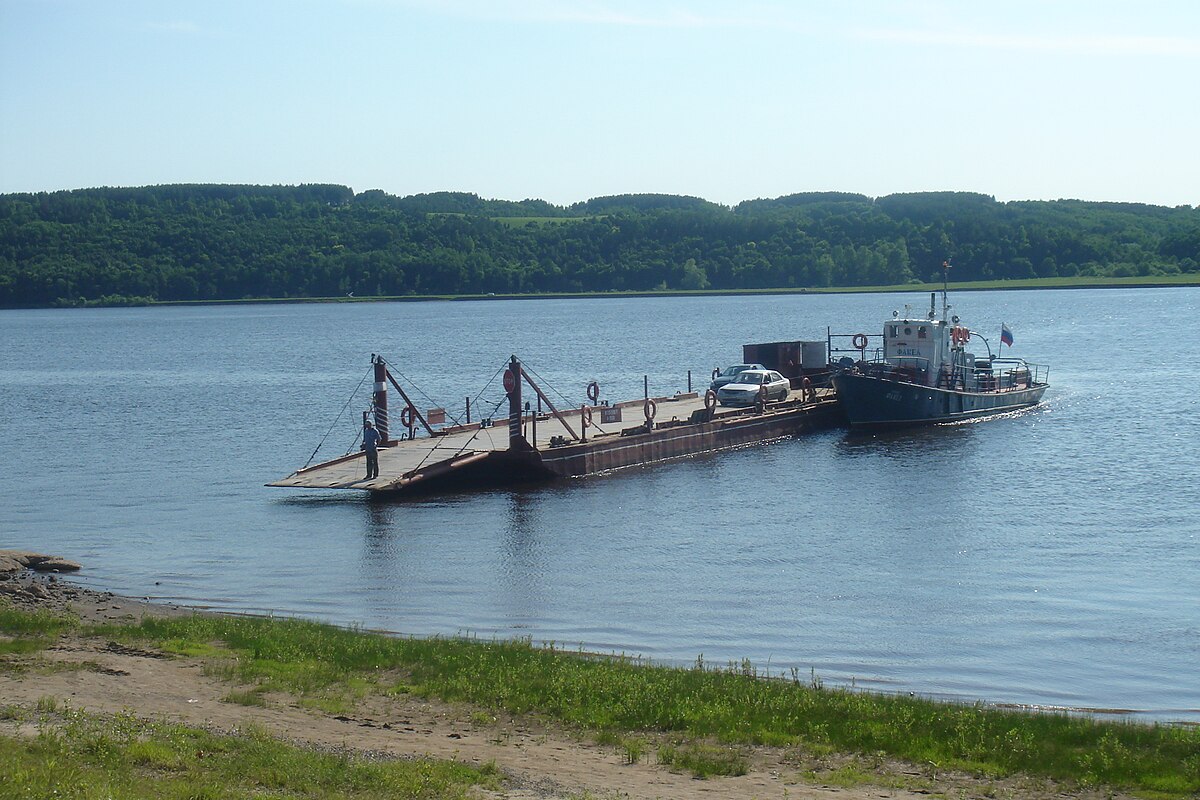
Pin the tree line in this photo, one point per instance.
(223, 242)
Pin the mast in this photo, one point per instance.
(945, 282)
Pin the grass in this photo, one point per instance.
(730, 707)
(702, 760)
(23, 633)
(86, 756)
(706, 713)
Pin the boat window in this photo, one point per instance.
(895, 330)
(908, 331)
(921, 332)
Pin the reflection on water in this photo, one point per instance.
(931, 443)
(1048, 557)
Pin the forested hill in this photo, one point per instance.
(212, 242)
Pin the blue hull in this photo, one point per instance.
(871, 401)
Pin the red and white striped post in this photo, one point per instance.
(380, 399)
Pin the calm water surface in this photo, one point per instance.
(1047, 558)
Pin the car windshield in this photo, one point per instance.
(754, 378)
(732, 371)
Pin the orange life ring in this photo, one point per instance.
(406, 417)
(710, 399)
(860, 341)
(586, 414)
(593, 392)
(650, 408)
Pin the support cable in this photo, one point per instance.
(349, 400)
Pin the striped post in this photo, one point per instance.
(512, 385)
(380, 400)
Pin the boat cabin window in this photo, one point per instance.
(895, 330)
(921, 332)
(908, 331)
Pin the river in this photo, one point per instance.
(1046, 558)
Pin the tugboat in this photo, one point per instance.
(924, 374)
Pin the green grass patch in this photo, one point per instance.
(17, 623)
(632, 748)
(86, 757)
(730, 707)
(702, 760)
(25, 632)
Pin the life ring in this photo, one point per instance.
(860, 341)
(406, 417)
(710, 399)
(593, 392)
(650, 408)
(809, 392)
(763, 393)
(586, 414)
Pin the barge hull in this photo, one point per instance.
(687, 438)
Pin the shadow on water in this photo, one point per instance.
(942, 440)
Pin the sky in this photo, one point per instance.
(564, 101)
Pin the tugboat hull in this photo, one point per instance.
(872, 401)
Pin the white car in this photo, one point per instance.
(745, 388)
(729, 373)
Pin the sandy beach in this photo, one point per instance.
(539, 759)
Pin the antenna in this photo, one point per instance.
(945, 280)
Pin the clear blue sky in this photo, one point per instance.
(569, 100)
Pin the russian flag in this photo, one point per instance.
(1006, 336)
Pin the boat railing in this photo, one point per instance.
(1006, 374)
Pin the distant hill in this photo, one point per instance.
(217, 242)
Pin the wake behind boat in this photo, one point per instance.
(924, 373)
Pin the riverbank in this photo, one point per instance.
(1133, 282)
(478, 703)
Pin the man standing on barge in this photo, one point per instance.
(371, 445)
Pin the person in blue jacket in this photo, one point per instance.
(371, 445)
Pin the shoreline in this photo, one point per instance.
(540, 751)
(1186, 280)
(49, 590)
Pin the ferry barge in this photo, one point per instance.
(546, 442)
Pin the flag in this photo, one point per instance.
(1006, 336)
